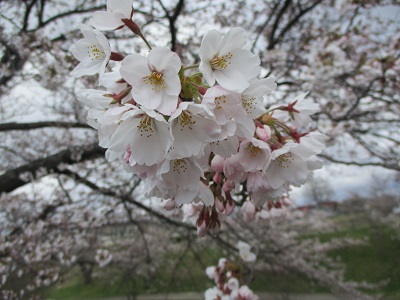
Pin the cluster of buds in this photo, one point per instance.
(198, 133)
(227, 277)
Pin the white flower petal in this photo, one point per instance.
(160, 58)
(231, 80)
(134, 67)
(121, 6)
(245, 62)
(210, 45)
(103, 20)
(235, 38)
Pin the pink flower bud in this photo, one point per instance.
(127, 155)
(169, 204)
(228, 186)
(229, 206)
(219, 204)
(217, 177)
(263, 133)
(217, 164)
(248, 211)
(201, 230)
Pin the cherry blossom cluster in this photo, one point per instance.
(198, 133)
(227, 276)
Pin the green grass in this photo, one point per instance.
(74, 288)
(187, 276)
(377, 261)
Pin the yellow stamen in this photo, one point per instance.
(185, 119)
(254, 151)
(221, 62)
(95, 53)
(180, 166)
(146, 126)
(285, 160)
(248, 104)
(156, 80)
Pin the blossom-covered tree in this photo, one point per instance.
(58, 190)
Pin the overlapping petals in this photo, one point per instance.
(154, 80)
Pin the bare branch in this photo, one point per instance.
(36, 125)
(11, 180)
(360, 164)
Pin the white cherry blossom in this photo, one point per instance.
(260, 190)
(297, 112)
(288, 165)
(227, 60)
(252, 97)
(245, 293)
(114, 83)
(193, 126)
(98, 105)
(213, 294)
(225, 104)
(145, 128)
(245, 253)
(196, 194)
(109, 124)
(226, 147)
(183, 174)
(253, 155)
(93, 52)
(245, 127)
(154, 80)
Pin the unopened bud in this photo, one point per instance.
(201, 230)
(169, 204)
(217, 163)
(248, 211)
(263, 133)
(229, 206)
(217, 177)
(219, 204)
(228, 186)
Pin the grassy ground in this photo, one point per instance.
(186, 276)
(373, 263)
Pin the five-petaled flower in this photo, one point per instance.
(93, 52)
(228, 60)
(154, 80)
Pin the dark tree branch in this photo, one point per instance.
(66, 14)
(129, 198)
(292, 23)
(12, 62)
(272, 42)
(125, 198)
(172, 19)
(11, 180)
(263, 26)
(360, 164)
(27, 14)
(36, 125)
